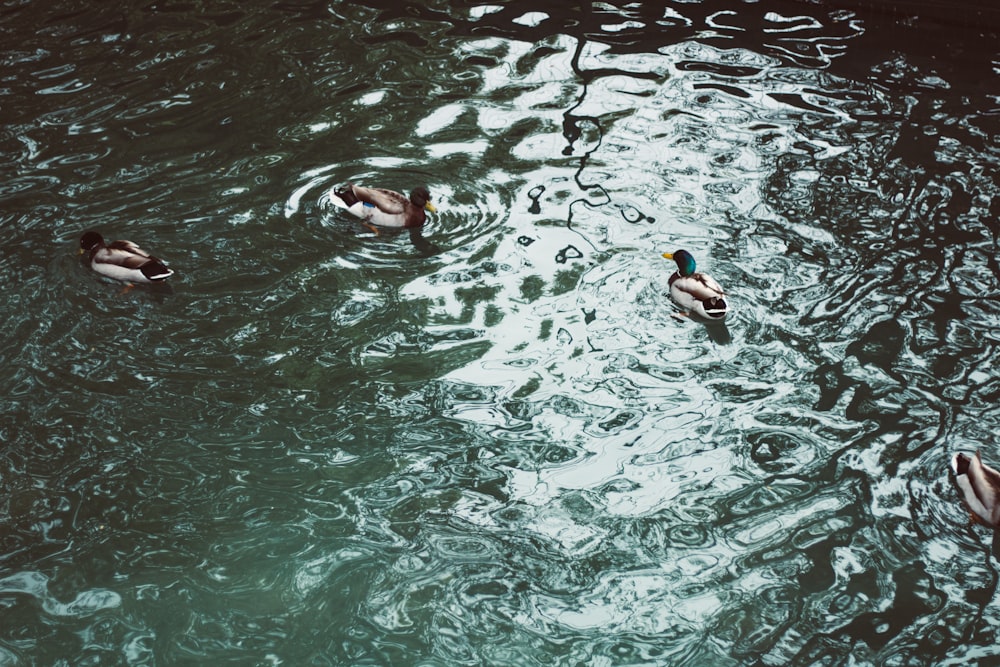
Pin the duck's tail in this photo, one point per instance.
(716, 308)
(345, 194)
(156, 271)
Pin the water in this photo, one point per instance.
(493, 442)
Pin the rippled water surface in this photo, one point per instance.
(493, 441)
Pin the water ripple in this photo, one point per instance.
(496, 440)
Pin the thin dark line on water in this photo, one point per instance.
(571, 124)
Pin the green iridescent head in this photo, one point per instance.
(685, 261)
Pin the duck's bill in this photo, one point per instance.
(668, 255)
(430, 207)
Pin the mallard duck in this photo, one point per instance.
(695, 292)
(122, 260)
(980, 487)
(385, 208)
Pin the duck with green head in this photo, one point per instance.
(696, 292)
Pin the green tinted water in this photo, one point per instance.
(493, 442)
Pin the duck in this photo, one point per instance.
(696, 292)
(980, 487)
(122, 260)
(385, 208)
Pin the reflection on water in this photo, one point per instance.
(492, 441)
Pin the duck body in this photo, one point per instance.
(122, 260)
(696, 292)
(385, 208)
(979, 485)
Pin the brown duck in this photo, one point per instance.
(385, 208)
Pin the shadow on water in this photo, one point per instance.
(718, 332)
(425, 247)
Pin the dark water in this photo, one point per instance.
(492, 442)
